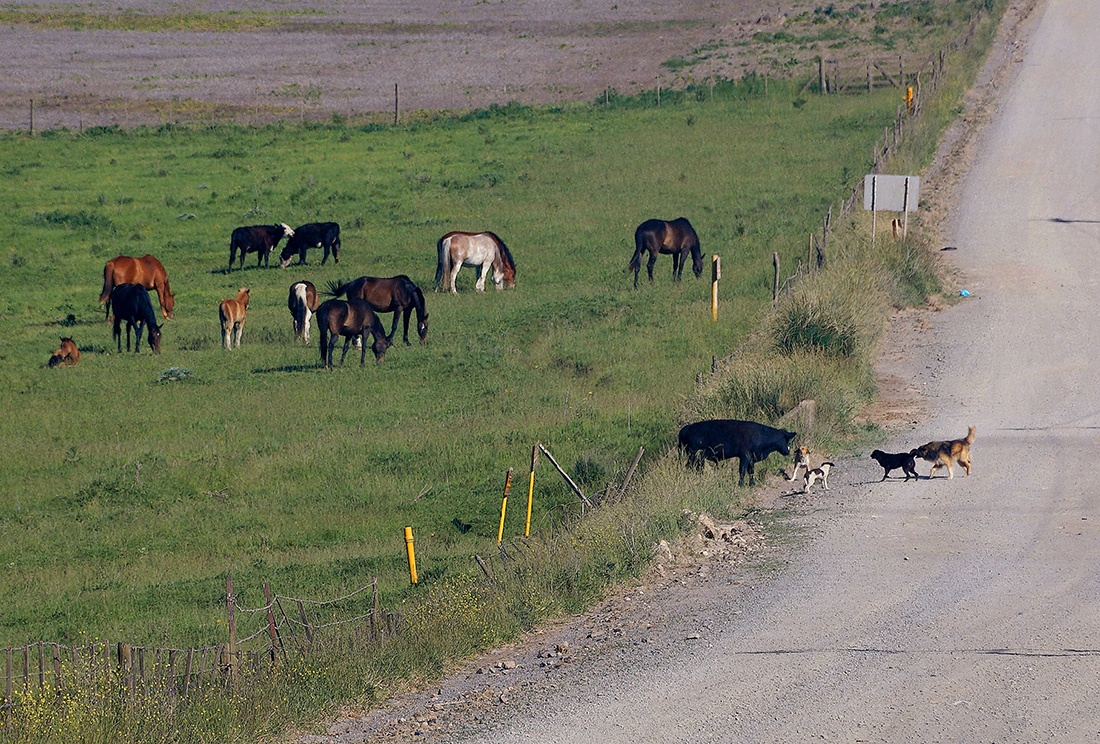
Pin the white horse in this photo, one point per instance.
(302, 303)
(483, 250)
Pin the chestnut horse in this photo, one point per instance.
(67, 356)
(231, 312)
(483, 250)
(658, 236)
(349, 318)
(146, 271)
(396, 294)
(302, 303)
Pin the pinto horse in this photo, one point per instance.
(132, 304)
(658, 236)
(302, 303)
(232, 312)
(67, 356)
(483, 250)
(146, 271)
(396, 294)
(349, 318)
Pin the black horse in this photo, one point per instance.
(676, 237)
(349, 318)
(396, 294)
(131, 303)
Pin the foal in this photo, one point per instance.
(349, 319)
(302, 303)
(232, 313)
(67, 356)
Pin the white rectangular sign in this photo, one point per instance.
(890, 193)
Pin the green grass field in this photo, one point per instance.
(127, 496)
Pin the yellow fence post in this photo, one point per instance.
(531, 489)
(504, 505)
(715, 275)
(412, 554)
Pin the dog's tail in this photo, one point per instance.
(970, 435)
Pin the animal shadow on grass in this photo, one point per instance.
(285, 368)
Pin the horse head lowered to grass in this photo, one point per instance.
(676, 237)
(484, 250)
(349, 318)
(395, 294)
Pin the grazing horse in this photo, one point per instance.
(658, 236)
(132, 304)
(146, 271)
(397, 295)
(349, 318)
(302, 303)
(231, 312)
(312, 235)
(482, 250)
(258, 239)
(67, 356)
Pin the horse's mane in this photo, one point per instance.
(504, 252)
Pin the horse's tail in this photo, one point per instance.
(635, 264)
(443, 267)
(322, 326)
(108, 285)
(336, 287)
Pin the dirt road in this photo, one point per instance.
(935, 611)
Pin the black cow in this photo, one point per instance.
(258, 239)
(721, 439)
(131, 303)
(312, 235)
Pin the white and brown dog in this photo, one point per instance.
(818, 474)
(801, 460)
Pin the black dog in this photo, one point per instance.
(903, 460)
(721, 439)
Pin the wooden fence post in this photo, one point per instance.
(775, 277)
(230, 604)
(271, 629)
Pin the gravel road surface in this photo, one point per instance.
(944, 610)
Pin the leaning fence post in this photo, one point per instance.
(775, 277)
(271, 629)
(531, 489)
(504, 504)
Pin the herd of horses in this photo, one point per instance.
(127, 281)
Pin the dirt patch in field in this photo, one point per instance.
(97, 62)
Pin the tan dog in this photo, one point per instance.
(801, 460)
(947, 453)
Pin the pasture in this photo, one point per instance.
(133, 483)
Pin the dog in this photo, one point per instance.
(818, 474)
(801, 460)
(947, 453)
(892, 461)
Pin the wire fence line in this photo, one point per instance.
(42, 667)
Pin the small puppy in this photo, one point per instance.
(891, 461)
(818, 474)
(801, 460)
(947, 453)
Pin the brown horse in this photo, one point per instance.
(483, 250)
(231, 312)
(349, 318)
(302, 303)
(67, 356)
(658, 236)
(146, 271)
(396, 294)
